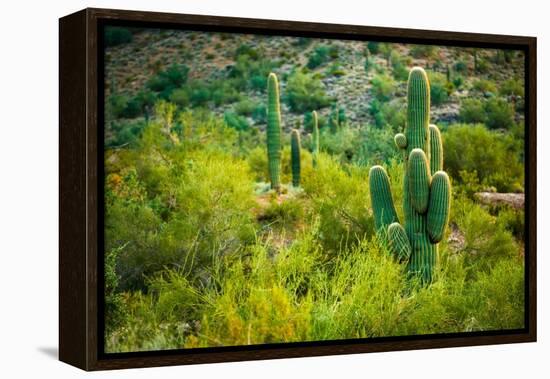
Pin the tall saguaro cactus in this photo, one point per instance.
(427, 189)
(295, 151)
(273, 132)
(315, 136)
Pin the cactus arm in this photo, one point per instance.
(399, 242)
(436, 150)
(400, 141)
(419, 180)
(418, 111)
(295, 157)
(273, 131)
(381, 198)
(439, 207)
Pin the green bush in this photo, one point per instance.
(439, 88)
(500, 113)
(236, 121)
(460, 66)
(472, 111)
(374, 47)
(391, 114)
(305, 93)
(245, 107)
(400, 70)
(168, 80)
(383, 87)
(512, 87)
(494, 157)
(423, 51)
(115, 35)
(484, 86)
(321, 55)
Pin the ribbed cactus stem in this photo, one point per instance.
(427, 189)
(439, 206)
(273, 132)
(295, 152)
(315, 136)
(381, 197)
(436, 150)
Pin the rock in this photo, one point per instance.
(515, 200)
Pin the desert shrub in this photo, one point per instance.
(472, 111)
(400, 71)
(284, 214)
(180, 97)
(115, 311)
(305, 93)
(500, 114)
(392, 114)
(457, 81)
(383, 87)
(512, 87)
(224, 92)
(115, 36)
(340, 143)
(259, 113)
(244, 107)
(496, 113)
(336, 70)
(482, 66)
(321, 55)
(236, 121)
(375, 146)
(251, 72)
(494, 157)
(199, 94)
(339, 201)
(513, 220)
(373, 46)
(168, 80)
(147, 211)
(486, 238)
(423, 51)
(460, 66)
(246, 50)
(484, 86)
(439, 88)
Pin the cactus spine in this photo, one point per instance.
(315, 138)
(427, 189)
(273, 132)
(295, 157)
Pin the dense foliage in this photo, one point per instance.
(199, 251)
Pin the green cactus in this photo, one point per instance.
(427, 189)
(315, 136)
(295, 157)
(274, 132)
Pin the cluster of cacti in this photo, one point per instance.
(315, 135)
(427, 191)
(273, 132)
(274, 138)
(295, 157)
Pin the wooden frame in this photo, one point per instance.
(80, 274)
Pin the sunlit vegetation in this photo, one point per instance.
(201, 251)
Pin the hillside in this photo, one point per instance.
(457, 73)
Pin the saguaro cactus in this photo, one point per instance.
(273, 132)
(315, 136)
(295, 157)
(427, 189)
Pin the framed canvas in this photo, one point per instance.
(242, 189)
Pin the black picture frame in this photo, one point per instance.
(81, 186)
